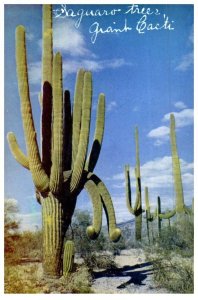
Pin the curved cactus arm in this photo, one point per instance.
(94, 229)
(167, 215)
(128, 189)
(98, 136)
(40, 178)
(47, 55)
(180, 206)
(114, 231)
(84, 133)
(46, 127)
(16, 151)
(77, 112)
(56, 177)
(67, 146)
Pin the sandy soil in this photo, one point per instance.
(134, 275)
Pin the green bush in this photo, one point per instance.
(172, 256)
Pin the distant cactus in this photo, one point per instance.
(137, 209)
(64, 168)
(179, 203)
(149, 216)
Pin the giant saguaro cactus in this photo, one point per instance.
(137, 209)
(64, 168)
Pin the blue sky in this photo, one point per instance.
(145, 77)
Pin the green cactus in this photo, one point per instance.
(137, 209)
(149, 215)
(179, 202)
(65, 168)
(180, 208)
(68, 257)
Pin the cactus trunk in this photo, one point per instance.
(53, 233)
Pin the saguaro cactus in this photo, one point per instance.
(180, 208)
(149, 216)
(179, 201)
(137, 209)
(64, 169)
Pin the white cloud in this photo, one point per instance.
(31, 221)
(186, 62)
(182, 118)
(159, 132)
(72, 66)
(68, 39)
(29, 36)
(34, 72)
(111, 105)
(180, 105)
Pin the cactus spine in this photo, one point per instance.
(64, 169)
(137, 209)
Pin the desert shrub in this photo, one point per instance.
(172, 256)
(78, 282)
(30, 246)
(174, 273)
(22, 280)
(102, 261)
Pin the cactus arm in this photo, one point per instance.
(176, 168)
(77, 111)
(128, 190)
(94, 229)
(46, 127)
(138, 202)
(84, 133)
(67, 148)
(39, 176)
(68, 257)
(98, 136)
(137, 153)
(114, 232)
(167, 215)
(16, 151)
(149, 216)
(56, 178)
(47, 55)
(137, 206)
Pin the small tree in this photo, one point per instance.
(11, 225)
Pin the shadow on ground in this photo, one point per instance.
(137, 274)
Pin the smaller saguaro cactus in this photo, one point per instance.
(149, 215)
(68, 257)
(180, 207)
(137, 209)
